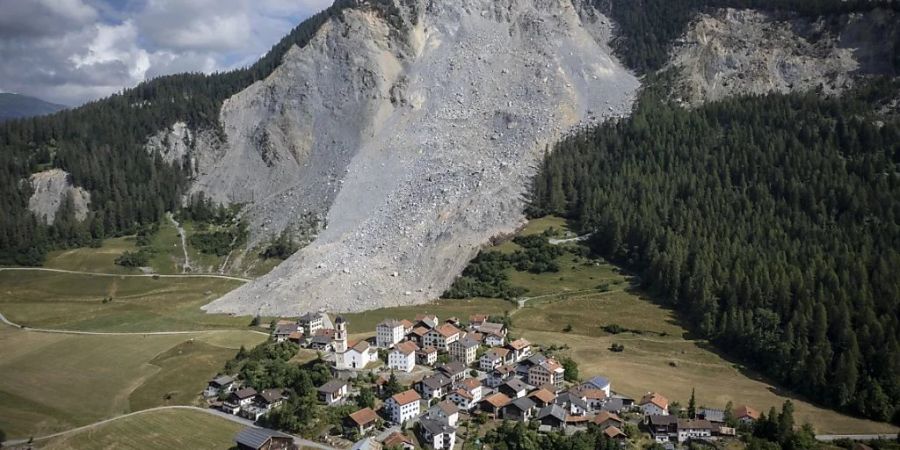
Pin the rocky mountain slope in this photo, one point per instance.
(49, 190)
(414, 133)
(738, 52)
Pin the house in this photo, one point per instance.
(663, 428)
(487, 328)
(363, 421)
(426, 356)
(436, 434)
(332, 391)
(219, 384)
(357, 357)
(519, 410)
(389, 333)
(492, 404)
(494, 340)
(310, 323)
(398, 440)
(263, 439)
(454, 321)
(264, 402)
(690, 429)
(617, 403)
(615, 433)
(715, 416)
(514, 388)
(493, 358)
(475, 336)
(441, 336)
(553, 416)
(594, 398)
(601, 383)
(654, 404)
(445, 411)
(403, 406)
(542, 397)
(577, 423)
(521, 348)
(468, 394)
(605, 420)
(455, 370)
(745, 414)
(283, 331)
(434, 386)
(403, 356)
(427, 320)
(573, 402)
(239, 399)
(526, 364)
(296, 337)
(417, 335)
(464, 350)
(322, 340)
(547, 372)
(366, 443)
(500, 375)
(475, 320)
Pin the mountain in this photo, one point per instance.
(15, 106)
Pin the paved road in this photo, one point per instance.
(119, 333)
(150, 275)
(297, 440)
(854, 437)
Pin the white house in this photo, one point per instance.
(444, 411)
(521, 348)
(357, 357)
(435, 386)
(436, 434)
(239, 399)
(548, 371)
(493, 358)
(500, 375)
(403, 356)
(217, 385)
(693, 429)
(654, 404)
(441, 336)
(494, 340)
(601, 383)
(467, 395)
(403, 406)
(464, 350)
(427, 356)
(389, 333)
(311, 322)
(332, 391)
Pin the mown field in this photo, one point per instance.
(154, 430)
(107, 303)
(53, 382)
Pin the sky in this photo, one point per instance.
(74, 51)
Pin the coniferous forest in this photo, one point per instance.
(772, 223)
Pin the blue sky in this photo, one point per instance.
(74, 51)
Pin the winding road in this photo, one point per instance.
(301, 442)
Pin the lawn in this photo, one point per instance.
(365, 322)
(89, 259)
(53, 382)
(154, 430)
(76, 302)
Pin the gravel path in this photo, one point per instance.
(187, 260)
(6, 321)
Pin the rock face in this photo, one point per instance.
(51, 187)
(739, 52)
(414, 136)
(174, 144)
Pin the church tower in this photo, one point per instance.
(340, 335)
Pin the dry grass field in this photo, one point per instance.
(155, 430)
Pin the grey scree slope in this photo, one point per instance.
(419, 143)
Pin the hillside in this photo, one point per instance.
(15, 106)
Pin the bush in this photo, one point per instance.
(613, 329)
(616, 347)
(133, 259)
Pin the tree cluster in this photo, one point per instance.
(772, 222)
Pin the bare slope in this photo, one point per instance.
(421, 138)
(50, 189)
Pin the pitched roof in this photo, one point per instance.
(246, 392)
(745, 411)
(428, 350)
(419, 331)
(390, 323)
(436, 427)
(272, 395)
(477, 318)
(504, 369)
(694, 424)
(285, 328)
(470, 383)
(543, 395)
(523, 403)
(406, 323)
(571, 399)
(364, 416)
(656, 399)
(447, 407)
(497, 400)
(222, 380)
(555, 411)
(452, 368)
(519, 344)
(661, 420)
(256, 437)
(712, 414)
(308, 317)
(396, 439)
(604, 416)
(446, 330)
(327, 332)
(436, 381)
(598, 382)
(497, 352)
(614, 432)
(551, 365)
(406, 347)
(491, 327)
(591, 394)
(332, 386)
(467, 343)
(406, 397)
(576, 419)
(463, 393)
(361, 346)
(515, 384)
(295, 336)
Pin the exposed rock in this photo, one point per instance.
(418, 140)
(51, 187)
(739, 52)
(174, 144)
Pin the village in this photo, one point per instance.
(450, 370)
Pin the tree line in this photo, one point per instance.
(772, 223)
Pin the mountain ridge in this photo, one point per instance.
(18, 106)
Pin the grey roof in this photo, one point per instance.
(245, 393)
(598, 382)
(468, 342)
(366, 444)
(435, 427)
(552, 410)
(272, 395)
(436, 381)
(309, 317)
(523, 403)
(285, 328)
(657, 419)
(222, 380)
(491, 327)
(390, 323)
(322, 339)
(332, 386)
(256, 437)
(567, 398)
(613, 404)
(535, 359)
(713, 415)
(452, 368)
(515, 384)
